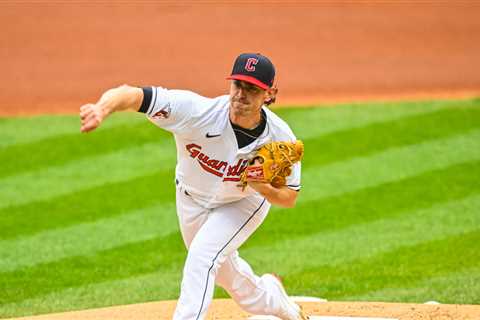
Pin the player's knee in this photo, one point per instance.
(204, 259)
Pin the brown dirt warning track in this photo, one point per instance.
(55, 56)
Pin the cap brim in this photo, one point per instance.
(248, 79)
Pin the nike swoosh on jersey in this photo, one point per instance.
(208, 135)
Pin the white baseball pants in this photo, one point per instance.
(212, 237)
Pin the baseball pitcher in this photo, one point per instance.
(234, 159)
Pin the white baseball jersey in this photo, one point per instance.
(209, 162)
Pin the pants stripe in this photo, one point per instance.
(218, 253)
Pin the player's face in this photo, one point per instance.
(246, 98)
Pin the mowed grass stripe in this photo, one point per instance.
(129, 260)
(348, 116)
(333, 248)
(156, 286)
(389, 165)
(61, 149)
(108, 200)
(337, 212)
(366, 240)
(369, 204)
(399, 267)
(370, 139)
(321, 183)
(334, 213)
(88, 238)
(376, 177)
(22, 130)
(453, 287)
(86, 173)
(336, 178)
(69, 173)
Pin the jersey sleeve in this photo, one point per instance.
(293, 180)
(172, 110)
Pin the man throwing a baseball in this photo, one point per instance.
(216, 139)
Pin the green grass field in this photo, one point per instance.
(389, 210)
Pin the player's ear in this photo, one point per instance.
(271, 95)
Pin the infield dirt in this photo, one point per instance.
(56, 56)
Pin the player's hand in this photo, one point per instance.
(261, 187)
(91, 116)
(258, 184)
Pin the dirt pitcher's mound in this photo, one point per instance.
(227, 309)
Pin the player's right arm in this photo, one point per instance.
(117, 99)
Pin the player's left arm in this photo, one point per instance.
(282, 196)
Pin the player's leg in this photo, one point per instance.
(225, 229)
(191, 216)
(258, 295)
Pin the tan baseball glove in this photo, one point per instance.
(273, 163)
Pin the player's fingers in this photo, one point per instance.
(86, 128)
(89, 117)
(94, 119)
(84, 113)
(85, 110)
(86, 106)
(89, 125)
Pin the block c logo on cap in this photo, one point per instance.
(250, 65)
